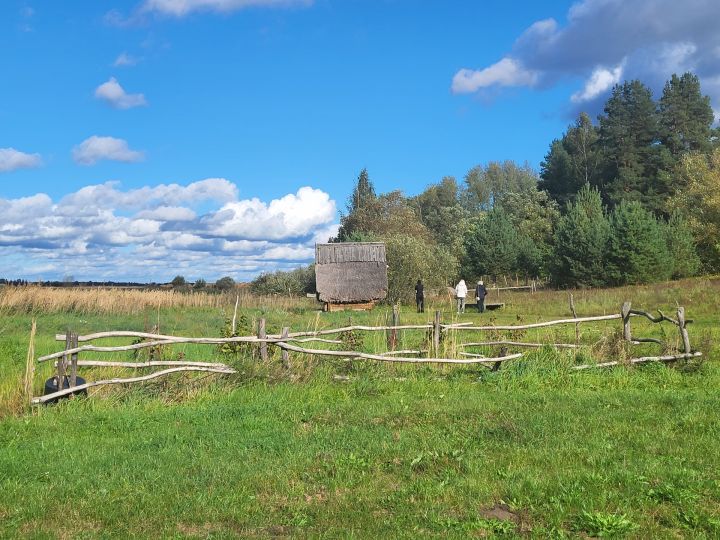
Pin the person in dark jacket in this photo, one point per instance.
(480, 294)
(420, 297)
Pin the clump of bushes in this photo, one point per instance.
(297, 282)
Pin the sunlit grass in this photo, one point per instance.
(381, 451)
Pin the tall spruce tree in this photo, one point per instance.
(360, 202)
(581, 240)
(633, 160)
(682, 248)
(686, 116)
(572, 162)
(637, 249)
(491, 246)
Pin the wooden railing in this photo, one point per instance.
(67, 361)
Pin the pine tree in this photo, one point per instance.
(681, 247)
(581, 240)
(363, 194)
(686, 116)
(358, 205)
(491, 245)
(637, 249)
(633, 160)
(572, 162)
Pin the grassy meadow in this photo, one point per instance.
(338, 448)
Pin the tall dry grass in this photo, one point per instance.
(34, 299)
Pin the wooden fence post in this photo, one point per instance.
(285, 354)
(436, 331)
(392, 336)
(683, 331)
(73, 359)
(63, 362)
(574, 314)
(625, 312)
(263, 345)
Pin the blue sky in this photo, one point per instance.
(264, 111)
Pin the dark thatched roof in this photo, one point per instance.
(351, 272)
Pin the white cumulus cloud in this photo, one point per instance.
(114, 94)
(506, 72)
(96, 148)
(11, 159)
(179, 8)
(152, 233)
(600, 81)
(291, 216)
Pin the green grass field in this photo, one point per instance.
(533, 450)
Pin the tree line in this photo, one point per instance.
(632, 198)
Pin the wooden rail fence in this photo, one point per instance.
(67, 360)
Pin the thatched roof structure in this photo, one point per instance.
(351, 272)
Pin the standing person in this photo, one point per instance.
(460, 294)
(480, 294)
(420, 297)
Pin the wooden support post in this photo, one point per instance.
(436, 332)
(63, 362)
(285, 354)
(683, 330)
(497, 365)
(73, 359)
(574, 314)
(625, 312)
(262, 334)
(392, 336)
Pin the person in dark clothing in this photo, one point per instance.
(420, 297)
(480, 294)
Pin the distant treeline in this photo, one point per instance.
(178, 283)
(21, 282)
(633, 198)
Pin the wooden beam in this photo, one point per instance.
(668, 358)
(536, 325)
(366, 356)
(285, 355)
(148, 364)
(519, 344)
(66, 391)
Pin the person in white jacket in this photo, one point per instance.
(460, 293)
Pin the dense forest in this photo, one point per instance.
(633, 198)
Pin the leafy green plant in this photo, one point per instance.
(603, 524)
(242, 328)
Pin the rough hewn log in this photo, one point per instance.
(640, 341)
(625, 312)
(234, 319)
(365, 356)
(393, 335)
(66, 391)
(683, 331)
(73, 360)
(395, 353)
(285, 357)
(668, 358)
(61, 366)
(575, 316)
(149, 364)
(262, 334)
(537, 325)
(519, 344)
(271, 338)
